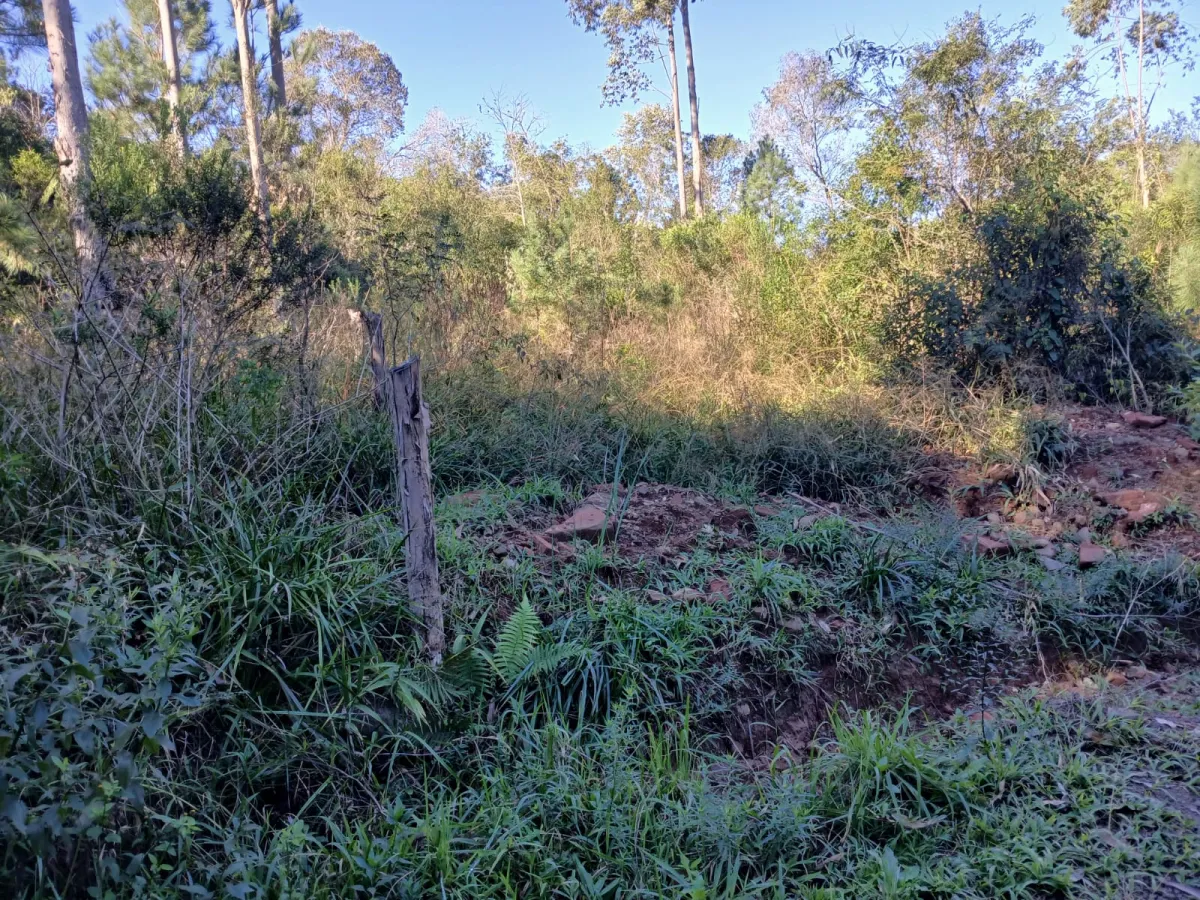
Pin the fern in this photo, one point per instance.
(516, 642)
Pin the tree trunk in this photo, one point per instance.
(275, 38)
(697, 148)
(1143, 178)
(410, 424)
(258, 172)
(680, 165)
(70, 146)
(170, 55)
(372, 323)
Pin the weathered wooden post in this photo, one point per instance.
(410, 424)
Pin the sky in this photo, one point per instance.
(453, 53)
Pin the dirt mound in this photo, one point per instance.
(1134, 483)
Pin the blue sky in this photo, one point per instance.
(454, 52)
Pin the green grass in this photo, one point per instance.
(227, 697)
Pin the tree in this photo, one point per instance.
(521, 126)
(275, 42)
(1142, 39)
(694, 100)
(633, 31)
(351, 93)
(70, 145)
(170, 54)
(644, 156)
(770, 188)
(131, 77)
(809, 114)
(723, 171)
(258, 172)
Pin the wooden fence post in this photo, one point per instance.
(410, 424)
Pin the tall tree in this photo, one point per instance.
(697, 143)
(677, 119)
(634, 34)
(275, 39)
(258, 172)
(1142, 39)
(349, 92)
(809, 115)
(132, 80)
(70, 145)
(170, 55)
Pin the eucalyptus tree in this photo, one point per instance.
(254, 148)
(1142, 40)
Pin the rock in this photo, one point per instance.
(766, 510)
(1055, 530)
(721, 589)
(1113, 426)
(541, 545)
(1021, 517)
(1091, 555)
(743, 709)
(1040, 543)
(804, 522)
(687, 595)
(760, 612)
(733, 518)
(657, 597)
(1051, 565)
(1143, 420)
(994, 518)
(1131, 499)
(1001, 473)
(795, 625)
(1188, 444)
(1116, 679)
(1083, 536)
(588, 523)
(1120, 540)
(987, 546)
(1047, 552)
(1143, 512)
(1137, 672)
(1180, 454)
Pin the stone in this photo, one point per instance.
(1143, 420)
(1113, 426)
(1180, 454)
(588, 523)
(1001, 473)
(994, 518)
(721, 589)
(1047, 552)
(1143, 512)
(1055, 530)
(1083, 536)
(760, 612)
(733, 518)
(1021, 517)
(766, 510)
(743, 709)
(1132, 499)
(1051, 565)
(1116, 679)
(1120, 540)
(987, 546)
(687, 595)
(1091, 555)
(657, 597)
(795, 625)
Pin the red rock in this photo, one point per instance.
(1143, 420)
(720, 588)
(1116, 679)
(766, 510)
(1132, 499)
(1001, 473)
(733, 518)
(987, 546)
(1091, 555)
(1143, 512)
(588, 523)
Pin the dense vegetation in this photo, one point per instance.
(212, 684)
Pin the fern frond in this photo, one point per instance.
(516, 641)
